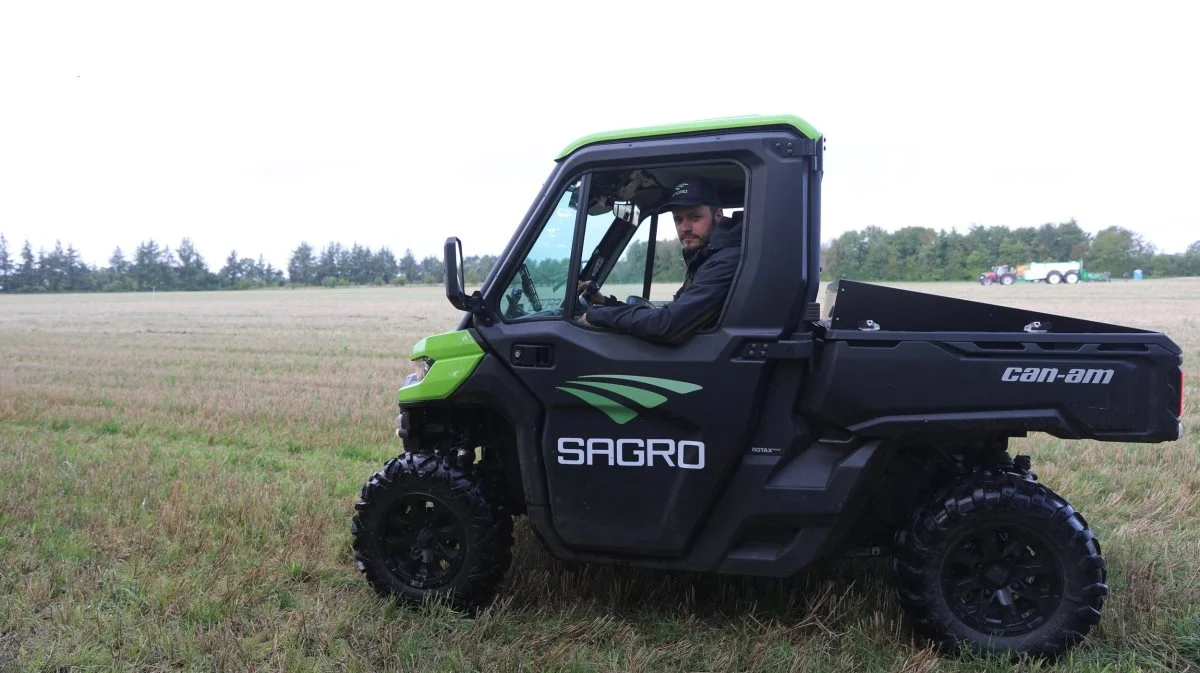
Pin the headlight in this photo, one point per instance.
(420, 369)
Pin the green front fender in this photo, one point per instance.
(454, 355)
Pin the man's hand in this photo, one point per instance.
(583, 320)
(594, 298)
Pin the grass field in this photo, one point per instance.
(178, 475)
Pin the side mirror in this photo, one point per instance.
(455, 292)
(453, 262)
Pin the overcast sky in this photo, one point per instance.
(255, 125)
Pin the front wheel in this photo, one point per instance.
(427, 529)
(1054, 278)
(1001, 564)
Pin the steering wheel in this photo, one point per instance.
(583, 296)
(638, 300)
(535, 302)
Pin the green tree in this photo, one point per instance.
(6, 266)
(408, 266)
(302, 265)
(669, 264)
(1061, 242)
(43, 272)
(26, 277)
(876, 242)
(233, 272)
(432, 270)
(152, 267)
(1192, 260)
(53, 269)
(261, 273)
(327, 264)
(78, 274)
(1015, 251)
(384, 266)
(193, 273)
(117, 262)
(959, 265)
(1076, 241)
(846, 256)
(911, 254)
(343, 263)
(116, 277)
(358, 265)
(1116, 250)
(631, 266)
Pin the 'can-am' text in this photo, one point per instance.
(1053, 375)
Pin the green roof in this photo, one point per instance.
(718, 124)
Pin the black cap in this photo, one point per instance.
(692, 192)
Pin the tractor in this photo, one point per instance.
(1003, 274)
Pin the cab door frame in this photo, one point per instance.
(746, 319)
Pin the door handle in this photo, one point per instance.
(532, 355)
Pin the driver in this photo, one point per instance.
(711, 248)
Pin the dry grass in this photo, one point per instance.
(178, 473)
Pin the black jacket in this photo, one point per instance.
(698, 302)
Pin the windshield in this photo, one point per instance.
(539, 287)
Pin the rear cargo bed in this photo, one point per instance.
(1071, 386)
(1111, 383)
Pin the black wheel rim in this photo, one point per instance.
(1002, 580)
(423, 541)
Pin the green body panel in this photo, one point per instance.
(454, 355)
(718, 124)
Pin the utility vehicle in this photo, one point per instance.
(782, 433)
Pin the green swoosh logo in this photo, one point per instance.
(619, 395)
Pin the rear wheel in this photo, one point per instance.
(1071, 278)
(1001, 564)
(427, 529)
(1007, 280)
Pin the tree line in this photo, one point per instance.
(871, 254)
(154, 266)
(337, 265)
(925, 254)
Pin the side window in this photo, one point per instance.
(628, 275)
(617, 251)
(635, 192)
(538, 288)
(670, 265)
(608, 228)
(629, 272)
